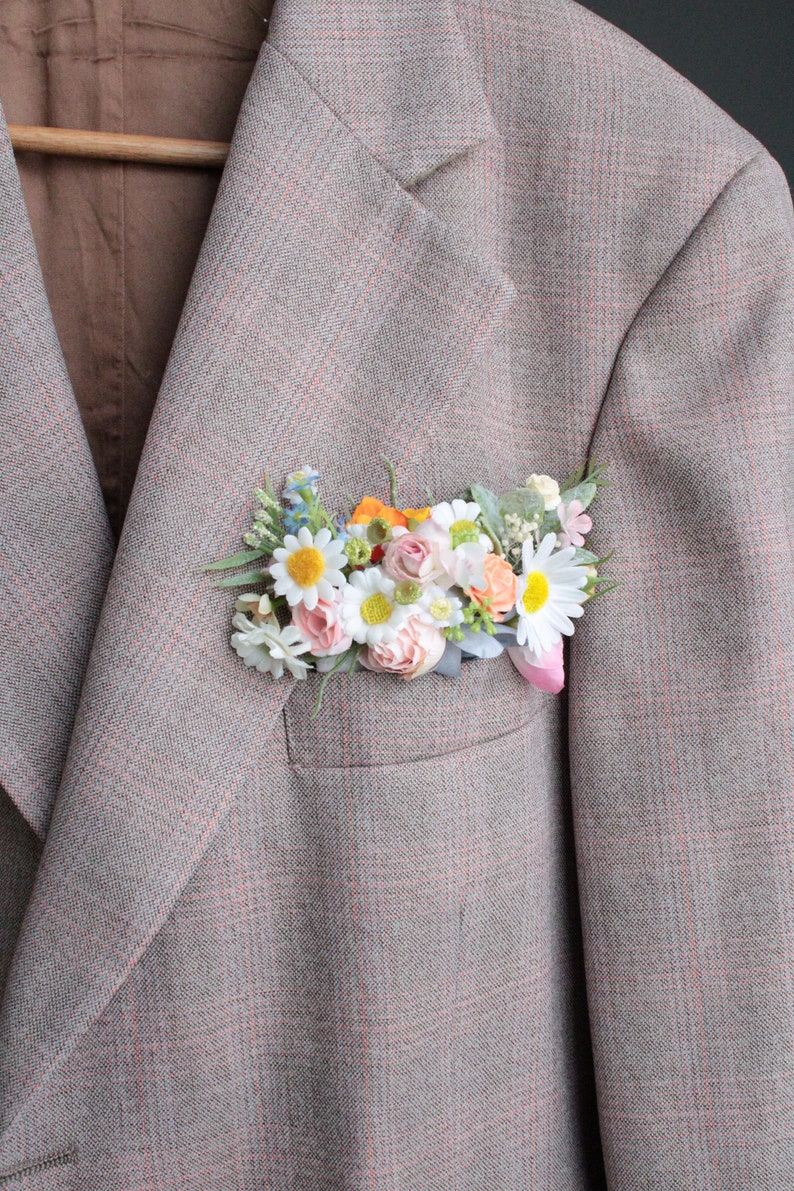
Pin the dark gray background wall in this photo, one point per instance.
(739, 53)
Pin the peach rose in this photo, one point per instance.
(323, 626)
(410, 558)
(500, 586)
(415, 650)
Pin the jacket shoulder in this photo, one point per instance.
(598, 80)
(603, 137)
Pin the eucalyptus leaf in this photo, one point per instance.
(526, 503)
(236, 560)
(582, 492)
(480, 645)
(584, 556)
(450, 661)
(549, 524)
(490, 516)
(244, 580)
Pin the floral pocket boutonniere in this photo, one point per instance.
(406, 591)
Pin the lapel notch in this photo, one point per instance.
(399, 74)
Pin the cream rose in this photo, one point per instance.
(548, 488)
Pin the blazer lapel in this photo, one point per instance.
(400, 74)
(331, 319)
(56, 542)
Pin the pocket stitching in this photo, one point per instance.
(300, 766)
(49, 1162)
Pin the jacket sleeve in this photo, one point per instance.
(681, 706)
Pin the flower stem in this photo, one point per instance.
(353, 652)
(392, 481)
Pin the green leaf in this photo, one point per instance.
(527, 503)
(598, 590)
(549, 524)
(235, 560)
(596, 475)
(244, 580)
(582, 492)
(593, 475)
(490, 516)
(572, 479)
(584, 556)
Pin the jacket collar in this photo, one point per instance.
(321, 285)
(400, 75)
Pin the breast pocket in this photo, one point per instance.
(368, 719)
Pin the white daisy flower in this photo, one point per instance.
(458, 518)
(369, 611)
(438, 608)
(462, 544)
(270, 648)
(549, 593)
(308, 568)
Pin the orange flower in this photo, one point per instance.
(370, 507)
(501, 586)
(417, 514)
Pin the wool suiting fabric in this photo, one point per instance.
(452, 935)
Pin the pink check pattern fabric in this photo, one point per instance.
(455, 935)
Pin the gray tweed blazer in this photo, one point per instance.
(454, 935)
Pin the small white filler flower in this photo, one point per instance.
(307, 568)
(439, 608)
(548, 594)
(269, 648)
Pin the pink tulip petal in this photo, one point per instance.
(549, 675)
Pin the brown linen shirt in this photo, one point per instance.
(118, 241)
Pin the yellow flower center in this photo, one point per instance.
(306, 566)
(440, 609)
(536, 592)
(463, 531)
(375, 609)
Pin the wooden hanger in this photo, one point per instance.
(118, 146)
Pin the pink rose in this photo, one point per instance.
(543, 670)
(323, 627)
(415, 650)
(408, 557)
